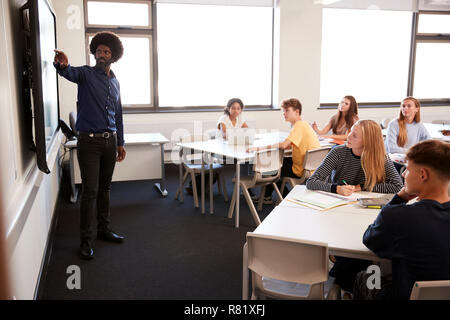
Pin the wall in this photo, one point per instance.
(28, 197)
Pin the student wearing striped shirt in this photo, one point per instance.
(361, 164)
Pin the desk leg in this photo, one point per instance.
(180, 184)
(73, 187)
(245, 273)
(162, 187)
(211, 202)
(203, 184)
(238, 191)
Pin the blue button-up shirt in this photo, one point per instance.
(99, 105)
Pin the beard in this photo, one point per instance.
(102, 63)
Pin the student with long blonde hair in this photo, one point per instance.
(407, 129)
(361, 164)
(341, 123)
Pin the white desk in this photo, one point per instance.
(342, 228)
(237, 152)
(136, 166)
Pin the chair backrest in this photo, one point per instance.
(191, 157)
(73, 120)
(268, 162)
(288, 259)
(431, 290)
(313, 158)
(384, 123)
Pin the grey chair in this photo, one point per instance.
(431, 290)
(313, 159)
(285, 268)
(191, 165)
(267, 170)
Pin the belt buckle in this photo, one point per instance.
(106, 135)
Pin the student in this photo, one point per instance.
(415, 237)
(232, 117)
(301, 139)
(407, 129)
(342, 121)
(361, 164)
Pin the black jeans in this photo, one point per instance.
(286, 171)
(345, 271)
(97, 159)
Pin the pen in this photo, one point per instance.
(374, 207)
(345, 182)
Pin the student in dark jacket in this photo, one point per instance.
(416, 237)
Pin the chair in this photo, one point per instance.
(267, 170)
(431, 290)
(313, 159)
(384, 123)
(280, 265)
(191, 163)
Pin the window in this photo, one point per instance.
(203, 54)
(432, 52)
(365, 54)
(378, 63)
(208, 54)
(131, 20)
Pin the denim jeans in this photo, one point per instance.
(97, 159)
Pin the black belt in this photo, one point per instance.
(105, 135)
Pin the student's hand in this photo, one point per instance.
(61, 58)
(121, 153)
(252, 149)
(345, 190)
(406, 196)
(314, 126)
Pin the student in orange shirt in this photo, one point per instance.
(301, 139)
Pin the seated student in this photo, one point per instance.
(361, 164)
(415, 237)
(232, 117)
(342, 121)
(301, 139)
(407, 129)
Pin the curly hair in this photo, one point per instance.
(109, 39)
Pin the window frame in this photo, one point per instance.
(152, 32)
(416, 38)
(127, 31)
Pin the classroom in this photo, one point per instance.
(183, 60)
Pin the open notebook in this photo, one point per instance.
(321, 200)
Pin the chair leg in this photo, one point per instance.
(232, 204)
(180, 187)
(194, 189)
(280, 197)
(224, 186)
(261, 198)
(283, 185)
(251, 205)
